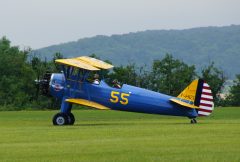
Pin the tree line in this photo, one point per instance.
(19, 70)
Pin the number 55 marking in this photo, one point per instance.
(123, 97)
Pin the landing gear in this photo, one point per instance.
(63, 119)
(60, 119)
(193, 121)
(71, 119)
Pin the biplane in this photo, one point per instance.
(73, 86)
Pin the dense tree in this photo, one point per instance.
(170, 75)
(144, 78)
(56, 56)
(16, 76)
(234, 96)
(125, 74)
(215, 78)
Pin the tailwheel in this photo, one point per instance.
(193, 121)
(60, 119)
(71, 118)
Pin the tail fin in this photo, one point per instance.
(204, 99)
(197, 95)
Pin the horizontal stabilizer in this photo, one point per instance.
(87, 103)
(197, 95)
(184, 103)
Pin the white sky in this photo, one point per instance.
(40, 23)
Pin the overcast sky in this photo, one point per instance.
(40, 23)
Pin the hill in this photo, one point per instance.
(198, 46)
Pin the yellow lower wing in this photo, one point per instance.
(87, 103)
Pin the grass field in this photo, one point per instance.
(119, 136)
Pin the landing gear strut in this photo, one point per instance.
(193, 121)
(63, 119)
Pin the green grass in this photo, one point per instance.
(119, 136)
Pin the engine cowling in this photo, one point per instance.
(56, 85)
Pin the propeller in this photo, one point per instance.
(42, 85)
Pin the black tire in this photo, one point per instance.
(60, 119)
(193, 121)
(71, 118)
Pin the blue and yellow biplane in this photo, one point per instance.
(72, 86)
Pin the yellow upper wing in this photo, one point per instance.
(95, 62)
(77, 63)
(85, 62)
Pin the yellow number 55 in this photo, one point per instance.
(115, 97)
(124, 100)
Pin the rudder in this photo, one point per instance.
(204, 100)
(197, 95)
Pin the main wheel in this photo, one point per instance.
(71, 118)
(60, 119)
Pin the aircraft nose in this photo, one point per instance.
(43, 84)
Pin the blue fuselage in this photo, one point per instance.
(128, 98)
